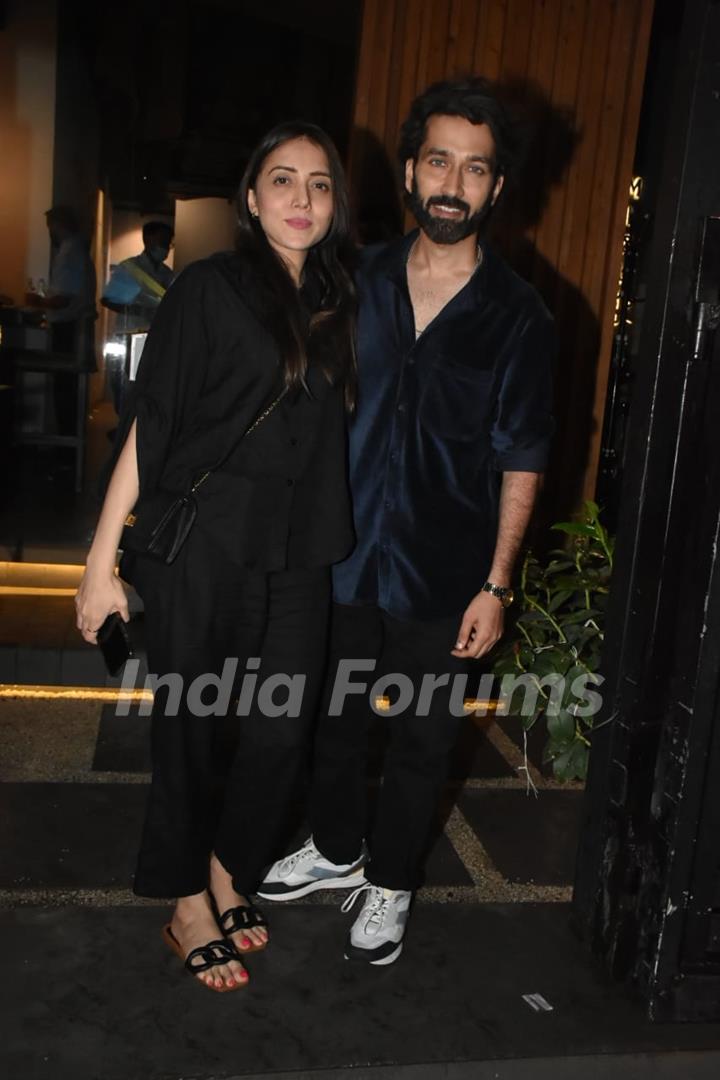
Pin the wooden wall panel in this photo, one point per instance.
(573, 63)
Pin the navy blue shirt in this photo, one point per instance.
(439, 420)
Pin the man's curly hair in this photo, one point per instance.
(474, 100)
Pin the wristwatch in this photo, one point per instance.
(500, 592)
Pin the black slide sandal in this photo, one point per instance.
(238, 919)
(214, 954)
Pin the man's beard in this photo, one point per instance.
(447, 230)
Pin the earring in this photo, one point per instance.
(254, 214)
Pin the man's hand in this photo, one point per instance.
(481, 627)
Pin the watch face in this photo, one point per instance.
(500, 592)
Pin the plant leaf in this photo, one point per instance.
(553, 661)
(573, 528)
(579, 616)
(561, 597)
(561, 727)
(533, 617)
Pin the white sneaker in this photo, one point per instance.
(306, 871)
(377, 933)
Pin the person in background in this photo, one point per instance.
(69, 305)
(70, 298)
(134, 291)
(138, 284)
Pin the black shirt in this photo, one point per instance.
(209, 368)
(439, 419)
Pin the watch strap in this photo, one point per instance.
(499, 591)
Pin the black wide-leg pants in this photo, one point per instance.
(210, 792)
(419, 747)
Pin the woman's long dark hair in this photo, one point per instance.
(327, 284)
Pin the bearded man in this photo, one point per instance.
(447, 451)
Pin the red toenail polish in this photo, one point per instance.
(246, 942)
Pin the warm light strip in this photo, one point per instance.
(73, 693)
(110, 693)
(10, 566)
(33, 590)
(489, 705)
(39, 579)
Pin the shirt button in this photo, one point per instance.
(290, 483)
(394, 455)
(401, 407)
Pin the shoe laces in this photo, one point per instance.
(375, 907)
(307, 851)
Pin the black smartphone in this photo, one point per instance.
(114, 641)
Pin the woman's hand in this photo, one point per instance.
(99, 594)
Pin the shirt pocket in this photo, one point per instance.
(456, 400)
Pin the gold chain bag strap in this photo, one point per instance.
(160, 523)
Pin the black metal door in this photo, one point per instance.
(648, 879)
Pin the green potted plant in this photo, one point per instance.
(554, 645)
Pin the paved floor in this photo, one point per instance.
(91, 993)
(73, 778)
(94, 995)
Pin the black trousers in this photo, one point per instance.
(419, 747)
(224, 782)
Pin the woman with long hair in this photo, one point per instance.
(247, 373)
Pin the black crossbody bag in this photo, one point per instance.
(160, 523)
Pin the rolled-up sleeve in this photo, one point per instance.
(170, 376)
(524, 423)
